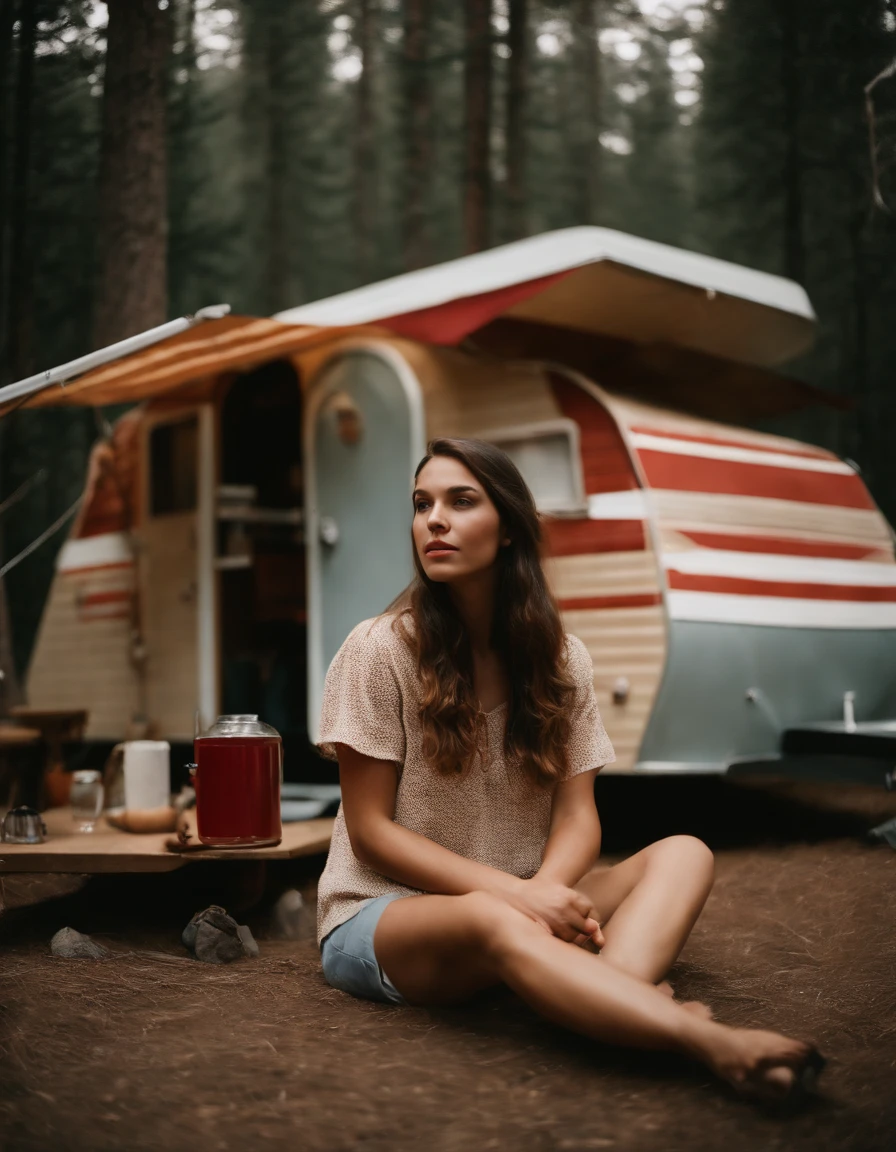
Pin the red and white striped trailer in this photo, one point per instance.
(737, 589)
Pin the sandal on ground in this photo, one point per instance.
(802, 1088)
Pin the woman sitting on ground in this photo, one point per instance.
(468, 739)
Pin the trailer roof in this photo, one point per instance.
(593, 280)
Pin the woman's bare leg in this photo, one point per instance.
(648, 905)
(441, 949)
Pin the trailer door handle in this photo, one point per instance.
(329, 531)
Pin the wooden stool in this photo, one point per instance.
(22, 760)
(55, 726)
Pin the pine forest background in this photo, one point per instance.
(273, 152)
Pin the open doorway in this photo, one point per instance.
(261, 557)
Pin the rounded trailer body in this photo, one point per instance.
(736, 590)
(730, 585)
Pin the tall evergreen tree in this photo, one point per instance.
(7, 72)
(785, 186)
(657, 196)
(366, 152)
(516, 120)
(416, 128)
(203, 207)
(588, 108)
(20, 294)
(132, 287)
(477, 124)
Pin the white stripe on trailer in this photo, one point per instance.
(95, 552)
(643, 440)
(630, 504)
(775, 567)
(779, 611)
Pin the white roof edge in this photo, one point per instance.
(118, 351)
(545, 255)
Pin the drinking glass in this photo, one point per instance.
(86, 799)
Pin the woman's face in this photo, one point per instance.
(457, 530)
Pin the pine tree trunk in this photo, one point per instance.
(7, 20)
(417, 115)
(477, 108)
(517, 92)
(132, 238)
(588, 157)
(277, 279)
(21, 288)
(794, 255)
(366, 174)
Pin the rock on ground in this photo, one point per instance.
(76, 946)
(215, 937)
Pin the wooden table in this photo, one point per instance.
(108, 849)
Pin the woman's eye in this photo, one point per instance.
(420, 505)
(463, 500)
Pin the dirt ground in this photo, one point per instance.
(152, 1050)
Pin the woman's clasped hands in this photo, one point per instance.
(562, 911)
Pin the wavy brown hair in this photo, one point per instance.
(526, 632)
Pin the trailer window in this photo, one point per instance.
(547, 454)
(173, 467)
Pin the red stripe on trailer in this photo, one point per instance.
(606, 465)
(643, 600)
(94, 598)
(738, 586)
(777, 546)
(450, 322)
(96, 568)
(581, 537)
(752, 445)
(672, 471)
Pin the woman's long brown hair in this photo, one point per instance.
(527, 633)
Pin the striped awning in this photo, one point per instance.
(194, 358)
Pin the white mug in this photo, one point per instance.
(147, 774)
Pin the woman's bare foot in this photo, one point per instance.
(694, 1006)
(698, 1008)
(764, 1065)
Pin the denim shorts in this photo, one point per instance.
(348, 959)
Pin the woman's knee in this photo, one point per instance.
(685, 853)
(494, 924)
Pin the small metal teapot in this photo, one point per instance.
(23, 825)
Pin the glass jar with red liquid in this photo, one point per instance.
(238, 773)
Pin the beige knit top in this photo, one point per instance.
(495, 814)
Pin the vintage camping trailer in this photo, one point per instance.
(737, 589)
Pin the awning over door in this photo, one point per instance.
(195, 357)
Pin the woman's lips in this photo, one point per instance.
(439, 549)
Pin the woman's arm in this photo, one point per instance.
(368, 804)
(574, 839)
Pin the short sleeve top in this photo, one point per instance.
(494, 814)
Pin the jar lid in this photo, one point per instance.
(240, 725)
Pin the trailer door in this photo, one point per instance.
(177, 578)
(364, 437)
